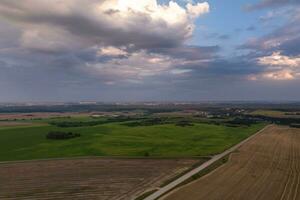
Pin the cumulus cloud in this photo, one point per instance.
(111, 51)
(278, 52)
(114, 39)
(285, 38)
(276, 59)
(136, 66)
(142, 23)
(280, 75)
(198, 9)
(278, 67)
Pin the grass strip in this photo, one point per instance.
(202, 173)
(146, 194)
(200, 162)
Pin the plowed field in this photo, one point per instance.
(265, 168)
(101, 179)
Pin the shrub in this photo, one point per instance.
(242, 121)
(58, 135)
(65, 124)
(184, 123)
(147, 122)
(146, 154)
(295, 125)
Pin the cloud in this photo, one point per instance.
(111, 51)
(144, 23)
(251, 28)
(262, 4)
(135, 67)
(116, 40)
(276, 59)
(218, 36)
(190, 52)
(278, 67)
(285, 38)
(280, 75)
(278, 52)
(198, 9)
(224, 37)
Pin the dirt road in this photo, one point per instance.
(265, 168)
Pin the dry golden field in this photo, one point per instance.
(265, 168)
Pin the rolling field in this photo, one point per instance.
(117, 139)
(276, 113)
(135, 151)
(101, 179)
(265, 168)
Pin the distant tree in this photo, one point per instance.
(295, 125)
(58, 135)
(184, 123)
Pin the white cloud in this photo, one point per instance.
(142, 23)
(278, 67)
(114, 39)
(180, 71)
(111, 51)
(276, 59)
(279, 75)
(171, 13)
(198, 9)
(128, 10)
(50, 39)
(136, 66)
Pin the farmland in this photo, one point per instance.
(111, 154)
(112, 138)
(105, 179)
(266, 167)
(276, 113)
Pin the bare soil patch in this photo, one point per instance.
(37, 115)
(265, 168)
(13, 124)
(102, 179)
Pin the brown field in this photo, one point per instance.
(102, 179)
(265, 168)
(275, 113)
(46, 115)
(37, 115)
(14, 124)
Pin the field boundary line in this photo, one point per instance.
(102, 157)
(162, 191)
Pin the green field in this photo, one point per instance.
(115, 139)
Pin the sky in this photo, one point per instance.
(149, 50)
